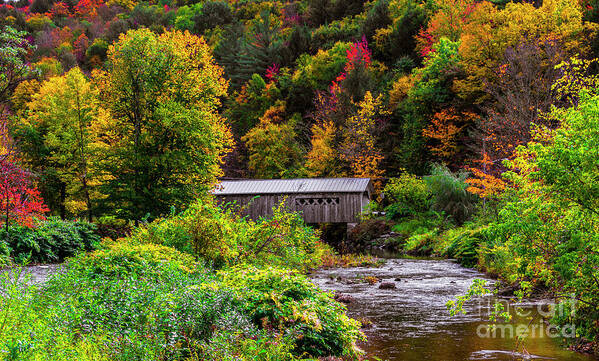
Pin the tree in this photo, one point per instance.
(359, 147)
(446, 133)
(549, 222)
(447, 22)
(272, 147)
(568, 162)
(162, 92)
(66, 112)
(88, 9)
(323, 159)
(430, 89)
(13, 67)
(490, 31)
(522, 95)
(260, 49)
(355, 80)
(19, 200)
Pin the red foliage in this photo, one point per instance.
(19, 199)
(358, 55)
(80, 46)
(87, 9)
(273, 72)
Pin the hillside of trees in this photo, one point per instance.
(125, 108)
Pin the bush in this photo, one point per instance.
(221, 238)
(463, 244)
(147, 300)
(4, 254)
(284, 300)
(112, 227)
(449, 194)
(408, 195)
(150, 302)
(51, 240)
(123, 260)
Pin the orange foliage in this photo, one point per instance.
(444, 129)
(482, 183)
(447, 22)
(87, 9)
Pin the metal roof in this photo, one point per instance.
(287, 186)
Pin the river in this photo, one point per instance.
(411, 322)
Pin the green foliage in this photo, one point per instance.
(13, 68)
(147, 302)
(284, 300)
(547, 230)
(463, 244)
(4, 254)
(408, 194)
(272, 147)
(50, 241)
(449, 194)
(319, 70)
(98, 48)
(166, 141)
(429, 90)
(117, 260)
(60, 139)
(218, 236)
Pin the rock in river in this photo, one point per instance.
(387, 285)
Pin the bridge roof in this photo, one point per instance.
(291, 186)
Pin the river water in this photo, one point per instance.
(411, 321)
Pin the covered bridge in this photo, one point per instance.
(320, 200)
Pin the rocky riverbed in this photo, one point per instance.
(403, 305)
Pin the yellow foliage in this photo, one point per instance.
(127, 4)
(23, 94)
(359, 144)
(272, 147)
(401, 88)
(67, 108)
(322, 159)
(490, 31)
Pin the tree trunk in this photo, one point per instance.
(63, 197)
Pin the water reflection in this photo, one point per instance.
(411, 322)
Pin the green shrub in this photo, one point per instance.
(123, 260)
(112, 227)
(4, 254)
(221, 238)
(51, 240)
(463, 244)
(408, 195)
(285, 300)
(150, 302)
(449, 194)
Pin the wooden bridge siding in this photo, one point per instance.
(347, 211)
